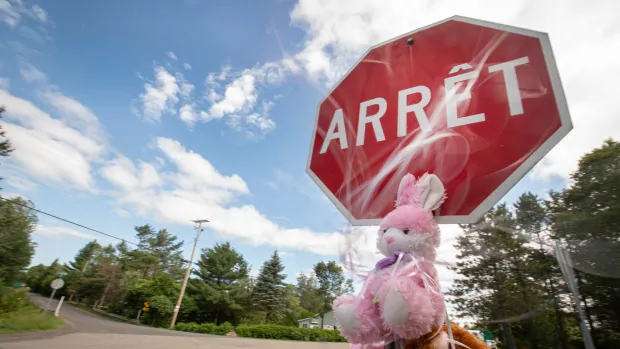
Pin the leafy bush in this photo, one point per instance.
(288, 333)
(12, 300)
(207, 328)
(224, 328)
(17, 314)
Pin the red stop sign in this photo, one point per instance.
(476, 103)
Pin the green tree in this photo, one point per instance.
(531, 217)
(332, 283)
(78, 269)
(221, 285)
(16, 246)
(5, 144)
(308, 293)
(488, 290)
(292, 310)
(40, 277)
(161, 291)
(157, 251)
(586, 217)
(269, 290)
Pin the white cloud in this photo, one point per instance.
(38, 13)
(196, 189)
(161, 96)
(74, 114)
(11, 12)
(122, 213)
(122, 173)
(5, 84)
(188, 114)
(234, 96)
(172, 56)
(585, 38)
(187, 66)
(20, 183)
(238, 96)
(39, 35)
(56, 232)
(30, 73)
(50, 148)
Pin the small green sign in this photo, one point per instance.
(488, 335)
(17, 285)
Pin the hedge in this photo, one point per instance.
(264, 331)
(207, 328)
(288, 333)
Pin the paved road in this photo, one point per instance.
(88, 331)
(82, 321)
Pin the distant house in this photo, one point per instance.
(329, 322)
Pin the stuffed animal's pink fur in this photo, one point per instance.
(400, 298)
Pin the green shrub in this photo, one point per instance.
(206, 328)
(12, 300)
(263, 331)
(17, 314)
(288, 333)
(224, 328)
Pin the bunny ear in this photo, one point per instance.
(406, 191)
(433, 192)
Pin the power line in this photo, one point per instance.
(68, 221)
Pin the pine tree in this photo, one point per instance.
(486, 290)
(158, 251)
(220, 287)
(77, 269)
(531, 219)
(269, 289)
(586, 218)
(5, 144)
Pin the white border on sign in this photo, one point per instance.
(519, 173)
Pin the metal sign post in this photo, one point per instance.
(56, 284)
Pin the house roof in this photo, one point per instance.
(308, 318)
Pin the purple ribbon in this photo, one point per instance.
(388, 261)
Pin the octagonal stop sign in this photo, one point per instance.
(476, 103)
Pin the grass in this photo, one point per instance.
(28, 319)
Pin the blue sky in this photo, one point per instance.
(134, 112)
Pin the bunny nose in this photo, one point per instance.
(390, 240)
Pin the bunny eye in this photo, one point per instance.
(384, 231)
(406, 231)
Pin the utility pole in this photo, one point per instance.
(189, 269)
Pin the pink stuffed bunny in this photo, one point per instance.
(400, 298)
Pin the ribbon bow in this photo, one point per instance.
(389, 261)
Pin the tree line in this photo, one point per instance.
(121, 279)
(511, 282)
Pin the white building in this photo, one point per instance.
(329, 322)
